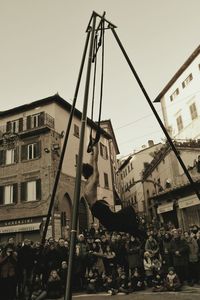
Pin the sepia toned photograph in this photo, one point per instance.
(99, 149)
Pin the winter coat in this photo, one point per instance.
(26, 257)
(133, 250)
(8, 265)
(182, 247)
(172, 282)
(54, 289)
(152, 246)
(193, 250)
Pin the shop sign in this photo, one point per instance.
(165, 207)
(188, 201)
(20, 228)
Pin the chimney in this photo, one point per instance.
(150, 143)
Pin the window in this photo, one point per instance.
(31, 190)
(193, 111)
(35, 120)
(128, 169)
(103, 151)
(30, 151)
(8, 156)
(8, 194)
(174, 94)
(131, 166)
(106, 184)
(76, 131)
(179, 122)
(187, 80)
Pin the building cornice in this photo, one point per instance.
(178, 74)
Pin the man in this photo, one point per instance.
(124, 220)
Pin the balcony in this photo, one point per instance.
(27, 124)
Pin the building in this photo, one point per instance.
(130, 172)
(180, 100)
(31, 139)
(168, 194)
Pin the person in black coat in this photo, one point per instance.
(54, 286)
(25, 265)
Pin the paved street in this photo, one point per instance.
(187, 293)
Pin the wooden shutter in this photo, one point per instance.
(15, 193)
(38, 189)
(23, 191)
(20, 124)
(8, 126)
(37, 149)
(24, 152)
(2, 157)
(1, 195)
(28, 120)
(41, 119)
(16, 154)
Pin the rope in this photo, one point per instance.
(94, 141)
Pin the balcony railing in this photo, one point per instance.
(29, 123)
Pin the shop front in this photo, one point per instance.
(20, 229)
(190, 211)
(167, 213)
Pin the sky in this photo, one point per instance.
(42, 42)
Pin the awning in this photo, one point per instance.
(20, 228)
(165, 207)
(188, 201)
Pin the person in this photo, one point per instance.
(8, 265)
(172, 281)
(125, 220)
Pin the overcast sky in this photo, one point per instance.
(42, 43)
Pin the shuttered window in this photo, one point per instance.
(31, 190)
(9, 156)
(30, 151)
(103, 151)
(106, 184)
(8, 194)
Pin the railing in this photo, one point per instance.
(31, 122)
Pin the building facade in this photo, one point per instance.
(168, 194)
(130, 172)
(180, 100)
(31, 139)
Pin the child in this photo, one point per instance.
(54, 289)
(148, 268)
(172, 281)
(110, 286)
(38, 293)
(63, 275)
(91, 282)
(137, 282)
(123, 283)
(158, 283)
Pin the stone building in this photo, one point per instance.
(130, 173)
(180, 100)
(168, 194)
(31, 139)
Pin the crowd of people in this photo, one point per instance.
(111, 262)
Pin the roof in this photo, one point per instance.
(123, 165)
(52, 99)
(111, 133)
(178, 73)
